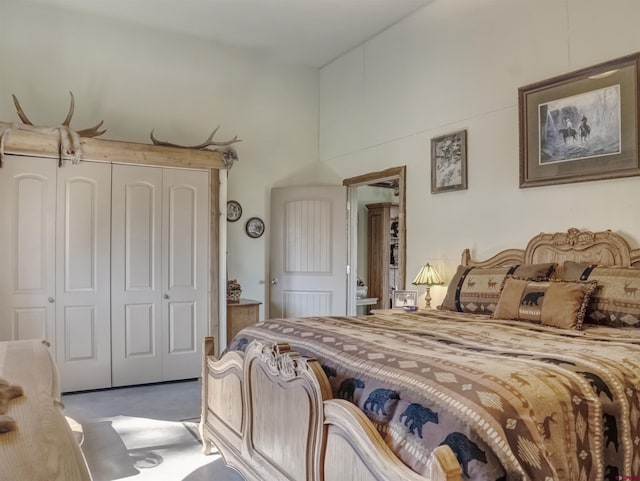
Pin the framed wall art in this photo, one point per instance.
(234, 211)
(254, 227)
(580, 126)
(449, 162)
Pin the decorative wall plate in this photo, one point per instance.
(254, 227)
(234, 211)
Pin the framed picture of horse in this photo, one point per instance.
(581, 126)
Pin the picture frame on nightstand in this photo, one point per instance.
(402, 299)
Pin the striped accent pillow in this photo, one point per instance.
(477, 289)
(616, 301)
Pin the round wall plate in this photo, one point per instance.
(254, 227)
(234, 211)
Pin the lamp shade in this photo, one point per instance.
(428, 276)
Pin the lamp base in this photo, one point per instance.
(427, 298)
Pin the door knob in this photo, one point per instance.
(166, 296)
(274, 281)
(51, 300)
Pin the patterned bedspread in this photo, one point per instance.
(515, 401)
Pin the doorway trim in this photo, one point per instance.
(366, 179)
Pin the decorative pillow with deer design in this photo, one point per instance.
(477, 289)
(616, 301)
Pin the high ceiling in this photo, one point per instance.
(303, 32)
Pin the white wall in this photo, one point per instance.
(454, 64)
(138, 79)
(457, 64)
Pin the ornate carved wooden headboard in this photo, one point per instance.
(604, 248)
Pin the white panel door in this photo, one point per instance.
(136, 275)
(27, 256)
(308, 251)
(185, 271)
(83, 303)
(160, 271)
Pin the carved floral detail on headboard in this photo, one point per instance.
(572, 237)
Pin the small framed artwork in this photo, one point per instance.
(404, 299)
(581, 126)
(234, 211)
(449, 162)
(254, 227)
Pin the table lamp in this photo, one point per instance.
(428, 277)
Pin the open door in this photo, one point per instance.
(392, 178)
(308, 251)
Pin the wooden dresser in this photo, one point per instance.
(240, 315)
(43, 447)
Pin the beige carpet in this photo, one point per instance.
(145, 449)
(146, 433)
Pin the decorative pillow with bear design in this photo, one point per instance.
(477, 289)
(616, 301)
(552, 303)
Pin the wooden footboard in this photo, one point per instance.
(271, 415)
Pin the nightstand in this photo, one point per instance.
(400, 310)
(240, 315)
(387, 311)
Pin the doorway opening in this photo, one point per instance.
(376, 238)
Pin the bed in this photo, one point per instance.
(528, 371)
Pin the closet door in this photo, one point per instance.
(136, 270)
(27, 256)
(160, 235)
(185, 271)
(83, 303)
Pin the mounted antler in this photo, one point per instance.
(229, 154)
(207, 143)
(90, 132)
(68, 140)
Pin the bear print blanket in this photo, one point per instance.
(514, 401)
